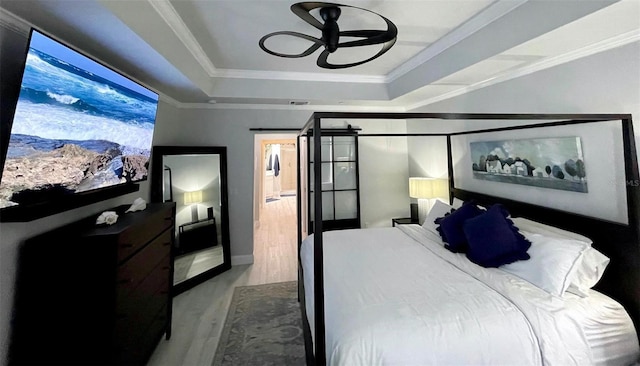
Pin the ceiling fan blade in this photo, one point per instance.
(371, 37)
(302, 11)
(316, 44)
(322, 59)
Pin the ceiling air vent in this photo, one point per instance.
(298, 102)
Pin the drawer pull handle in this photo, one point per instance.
(168, 218)
(166, 244)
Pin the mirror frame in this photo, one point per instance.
(157, 175)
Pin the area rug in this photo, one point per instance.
(263, 327)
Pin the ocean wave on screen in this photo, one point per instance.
(62, 81)
(60, 123)
(64, 99)
(47, 97)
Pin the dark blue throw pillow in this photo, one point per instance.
(493, 239)
(451, 229)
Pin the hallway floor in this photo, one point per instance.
(199, 314)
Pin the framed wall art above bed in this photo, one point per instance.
(572, 173)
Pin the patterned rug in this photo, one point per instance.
(263, 327)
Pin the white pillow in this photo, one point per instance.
(589, 272)
(439, 209)
(553, 262)
(457, 203)
(535, 227)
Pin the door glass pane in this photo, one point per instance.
(346, 205)
(344, 148)
(326, 148)
(327, 206)
(327, 177)
(345, 175)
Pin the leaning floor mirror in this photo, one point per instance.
(195, 178)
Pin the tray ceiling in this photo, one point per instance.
(196, 51)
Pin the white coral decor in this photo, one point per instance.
(107, 217)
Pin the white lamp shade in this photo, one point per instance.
(192, 197)
(428, 187)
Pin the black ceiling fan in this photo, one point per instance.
(331, 34)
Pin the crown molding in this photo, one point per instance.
(545, 63)
(13, 22)
(488, 15)
(299, 76)
(169, 14)
(284, 107)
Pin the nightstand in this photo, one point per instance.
(403, 221)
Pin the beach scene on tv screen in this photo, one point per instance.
(78, 126)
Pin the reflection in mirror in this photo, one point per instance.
(195, 179)
(195, 183)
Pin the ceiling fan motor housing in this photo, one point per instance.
(330, 30)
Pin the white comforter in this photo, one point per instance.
(395, 296)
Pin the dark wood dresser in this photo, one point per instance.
(88, 294)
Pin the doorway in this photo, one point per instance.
(275, 207)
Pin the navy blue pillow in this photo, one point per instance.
(493, 239)
(451, 229)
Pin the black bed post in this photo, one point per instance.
(450, 169)
(318, 260)
(632, 175)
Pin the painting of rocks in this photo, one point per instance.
(555, 163)
(78, 126)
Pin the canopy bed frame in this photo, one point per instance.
(618, 241)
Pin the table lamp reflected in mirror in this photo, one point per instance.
(193, 198)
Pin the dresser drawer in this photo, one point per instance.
(135, 270)
(153, 288)
(135, 350)
(136, 236)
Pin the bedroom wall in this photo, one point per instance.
(230, 127)
(384, 173)
(607, 82)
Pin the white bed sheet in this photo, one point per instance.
(386, 303)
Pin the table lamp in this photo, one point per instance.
(193, 198)
(425, 189)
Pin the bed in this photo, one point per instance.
(396, 296)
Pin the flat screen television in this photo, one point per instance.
(80, 133)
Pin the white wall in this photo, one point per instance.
(230, 128)
(608, 82)
(384, 171)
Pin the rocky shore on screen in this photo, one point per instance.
(72, 168)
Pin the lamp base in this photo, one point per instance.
(414, 211)
(423, 209)
(194, 213)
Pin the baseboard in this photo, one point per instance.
(237, 260)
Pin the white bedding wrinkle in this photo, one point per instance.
(387, 303)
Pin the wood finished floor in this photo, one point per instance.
(199, 314)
